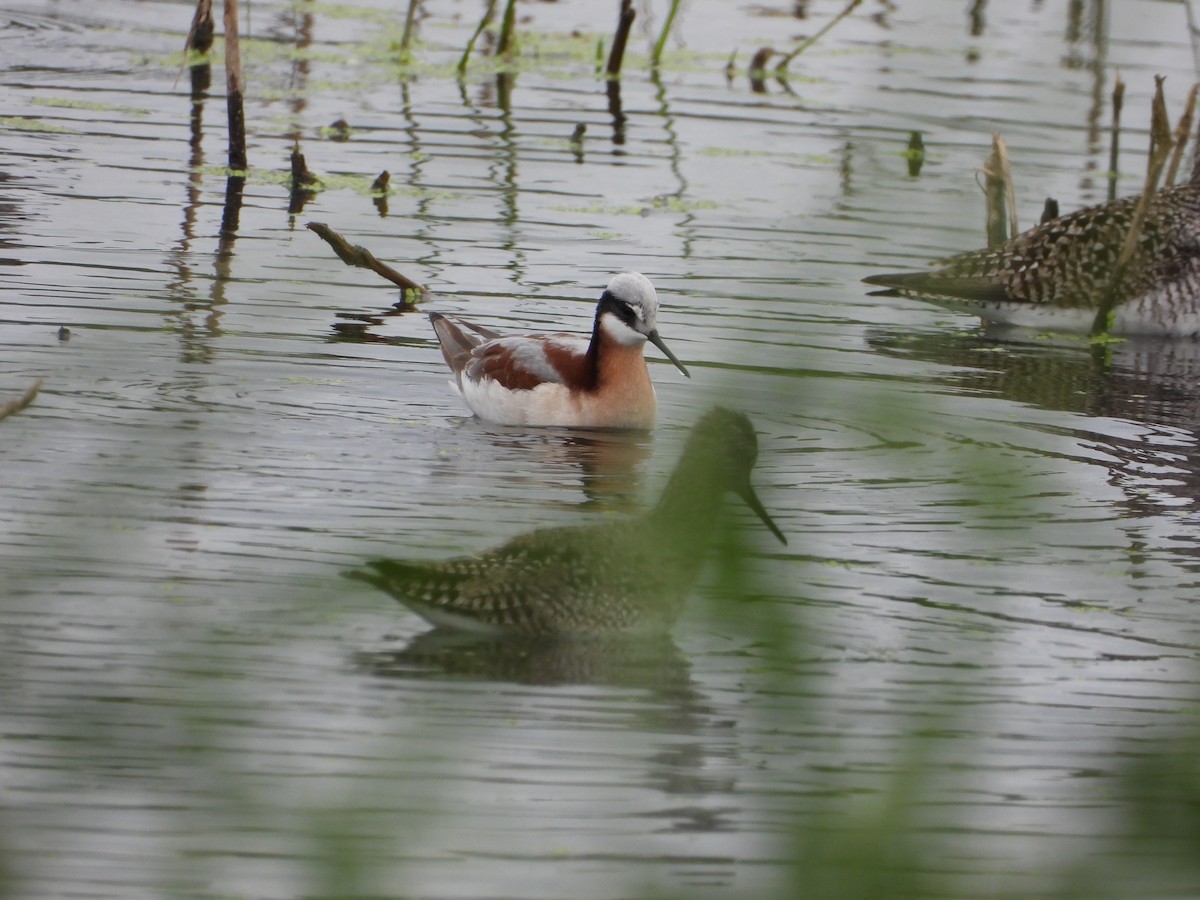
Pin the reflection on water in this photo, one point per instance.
(651, 664)
(1150, 384)
(955, 681)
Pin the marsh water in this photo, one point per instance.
(986, 616)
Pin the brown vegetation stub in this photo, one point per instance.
(199, 38)
(354, 255)
(200, 35)
(301, 176)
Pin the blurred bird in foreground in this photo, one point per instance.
(628, 576)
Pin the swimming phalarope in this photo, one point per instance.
(617, 577)
(562, 379)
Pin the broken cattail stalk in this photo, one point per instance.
(1000, 194)
(233, 87)
(200, 35)
(1160, 151)
(301, 176)
(1182, 130)
(617, 54)
(199, 40)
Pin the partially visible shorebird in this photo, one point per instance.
(1058, 274)
(622, 577)
(563, 379)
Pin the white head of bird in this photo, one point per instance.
(628, 313)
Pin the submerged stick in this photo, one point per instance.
(1114, 148)
(353, 255)
(1182, 130)
(661, 43)
(233, 87)
(15, 406)
(617, 54)
(781, 69)
(1160, 150)
(1000, 194)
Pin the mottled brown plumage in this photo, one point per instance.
(628, 576)
(1057, 274)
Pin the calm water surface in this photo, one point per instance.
(993, 542)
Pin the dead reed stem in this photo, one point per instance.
(233, 88)
(998, 186)
(1160, 150)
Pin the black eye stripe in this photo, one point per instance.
(619, 308)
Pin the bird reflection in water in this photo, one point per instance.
(652, 663)
(1142, 380)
